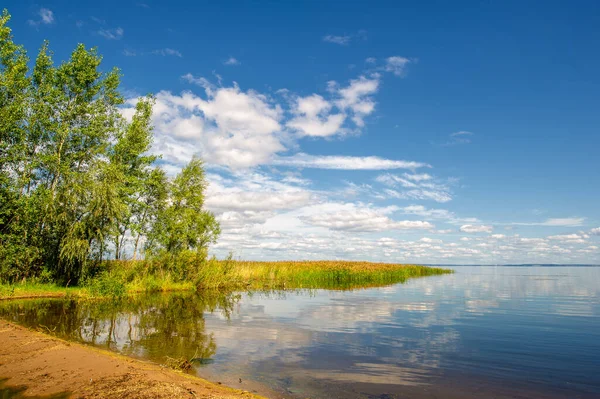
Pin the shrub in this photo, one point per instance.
(106, 285)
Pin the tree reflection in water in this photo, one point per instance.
(149, 326)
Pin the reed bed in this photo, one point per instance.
(308, 274)
(120, 278)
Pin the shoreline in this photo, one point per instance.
(119, 279)
(46, 365)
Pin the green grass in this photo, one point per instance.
(35, 290)
(123, 278)
(310, 274)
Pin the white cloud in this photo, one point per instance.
(312, 117)
(112, 34)
(461, 137)
(341, 40)
(339, 162)
(570, 238)
(200, 81)
(258, 200)
(432, 214)
(231, 61)
(471, 228)
(313, 114)
(418, 188)
(243, 200)
(356, 97)
(556, 222)
(167, 51)
(396, 65)
(356, 218)
(46, 17)
(565, 237)
(244, 129)
(230, 127)
(456, 138)
(229, 220)
(595, 231)
(418, 177)
(564, 222)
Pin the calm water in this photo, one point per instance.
(482, 332)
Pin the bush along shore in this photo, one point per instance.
(119, 278)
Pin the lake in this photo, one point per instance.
(503, 332)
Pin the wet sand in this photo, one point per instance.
(45, 365)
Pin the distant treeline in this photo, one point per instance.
(77, 183)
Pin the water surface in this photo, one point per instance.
(484, 331)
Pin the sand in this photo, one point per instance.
(46, 365)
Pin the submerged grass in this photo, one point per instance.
(124, 278)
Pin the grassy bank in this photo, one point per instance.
(114, 279)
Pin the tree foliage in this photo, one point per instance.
(77, 183)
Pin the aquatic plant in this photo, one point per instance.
(308, 274)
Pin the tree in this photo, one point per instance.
(184, 224)
(130, 156)
(76, 178)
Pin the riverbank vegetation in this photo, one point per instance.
(121, 278)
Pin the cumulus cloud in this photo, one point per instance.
(243, 129)
(229, 127)
(312, 117)
(357, 97)
(595, 231)
(354, 218)
(471, 228)
(319, 117)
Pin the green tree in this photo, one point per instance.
(76, 178)
(130, 156)
(151, 203)
(184, 225)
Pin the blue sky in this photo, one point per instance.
(431, 132)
